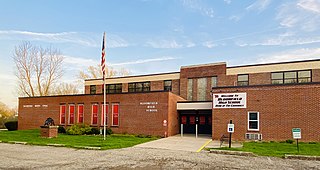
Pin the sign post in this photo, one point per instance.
(230, 130)
(296, 133)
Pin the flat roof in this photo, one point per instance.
(232, 70)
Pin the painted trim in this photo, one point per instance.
(258, 120)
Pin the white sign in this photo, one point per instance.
(230, 128)
(229, 100)
(296, 133)
(165, 122)
(151, 106)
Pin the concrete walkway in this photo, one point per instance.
(185, 143)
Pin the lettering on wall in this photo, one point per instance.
(150, 106)
(36, 105)
(229, 100)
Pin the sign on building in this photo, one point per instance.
(230, 128)
(229, 100)
(296, 133)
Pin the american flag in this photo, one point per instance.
(103, 58)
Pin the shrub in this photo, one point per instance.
(289, 141)
(95, 131)
(109, 131)
(61, 129)
(143, 136)
(11, 125)
(79, 129)
(312, 142)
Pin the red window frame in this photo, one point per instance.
(94, 114)
(184, 120)
(80, 113)
(71, 113)
(102, 117)
(202, 120)
(192, 120)
(62, 114)
(115, 114)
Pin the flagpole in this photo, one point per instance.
(104, 92)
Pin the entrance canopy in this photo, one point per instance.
(194, 105)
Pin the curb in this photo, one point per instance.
(87, 147)
(239, 153)
(17, 142)
(56, 145)
(303, 157)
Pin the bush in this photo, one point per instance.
(95, 131)
(11, 125)
(289, 141)
(79, 129)
(109, 131)
(61, 129)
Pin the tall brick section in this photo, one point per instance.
(134, 116)
(280, 107)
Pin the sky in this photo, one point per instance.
(158, 36)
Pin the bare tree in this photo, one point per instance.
(37, 69)
(66, 89)
(94, 72)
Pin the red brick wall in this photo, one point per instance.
(176, 87)
(316, 75)
(194, 73)
(173, 116)
(156, 85)
(125, 87)
(133, 114)
(280, 108)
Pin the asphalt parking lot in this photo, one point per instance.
(15, 156)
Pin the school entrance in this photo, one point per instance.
(195, 116)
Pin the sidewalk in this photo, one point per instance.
(185, 143)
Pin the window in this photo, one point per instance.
(102, 115)
(139, 87)
(253, 121)
(290, 77)
(62, 114)
(243, 80)
(115, 114)
(304, 76)
(214, 82)
(71, 114)
(202, 89)
(167, 85)
(190, 87)
(94, 114)
(93, 89)
(80, 113)
(113, 88)
(277, 78)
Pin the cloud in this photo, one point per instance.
(79, 63)
(259, 5)
(165, 58)
(197, 6)
(80, 38)
(164, 44)
(235, 18)
(283, 41)
(292, 55)
(310, 5)
(227, 1)
(209, 44)
(303, 15)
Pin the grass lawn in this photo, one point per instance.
(279, 149)
(113, 141)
